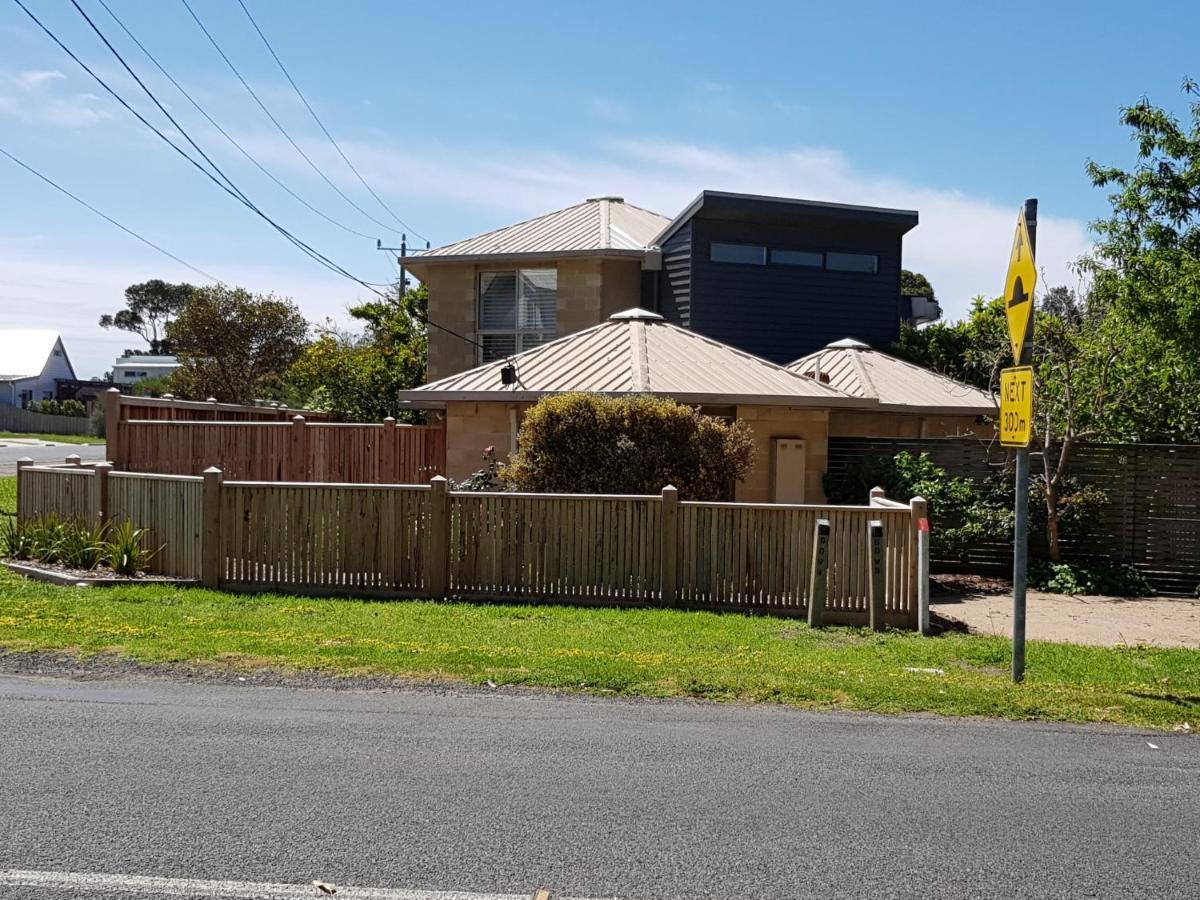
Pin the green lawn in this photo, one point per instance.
(657, 653)
(8, 496)
(56, 438)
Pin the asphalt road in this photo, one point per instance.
(43, 455)
(507, 793)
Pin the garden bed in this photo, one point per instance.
(102, 577)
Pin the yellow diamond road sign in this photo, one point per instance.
(1016, 406)
(1018, 288)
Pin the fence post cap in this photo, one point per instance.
(74, 459)
(211, 470)
(437, 478)
(212, 400)
(389, 420)
(670, 488)
(915, 500)
(877, 491)
(113, 390)
(25, 461)
(102, 464)
(298, 419)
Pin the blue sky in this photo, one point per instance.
(467, 116)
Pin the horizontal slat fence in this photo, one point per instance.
(68, 493)
(426, 541)
(170, 509)
(1151, 520)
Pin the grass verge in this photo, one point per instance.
(55, 438)
(644, 652)
(8, 496)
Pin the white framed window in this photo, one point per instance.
(518, 310)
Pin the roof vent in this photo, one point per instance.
(609, 199)
(635, 314)
(847, 344)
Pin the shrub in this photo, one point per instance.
(125, 550)
(1102, 577)
(15, 540)
(485, 479)
(592, 444)
(55, 408)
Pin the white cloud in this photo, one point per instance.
(36, 78)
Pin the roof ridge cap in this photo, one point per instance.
(870, 390)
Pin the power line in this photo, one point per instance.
(227, 188)
(275, 121)
(321, 124)
(223, 132)
(129, 231)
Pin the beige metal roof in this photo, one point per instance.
(636, 352)
(860, 371)
(25, 351)
(601, 225)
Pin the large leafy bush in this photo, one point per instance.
(592, 444)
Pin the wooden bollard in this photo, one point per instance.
(877, 569)
(818, 582)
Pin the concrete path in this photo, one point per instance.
(505, 794)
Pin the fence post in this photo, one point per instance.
(669, 536)
(298, 464)
(112, 427)
(389, 471)
(919, 511)
(437, 573)
(211, 561)
(73, 460)
(876, 572)
(818, 582)
(100, 491)
(877, 493)
(23, 463)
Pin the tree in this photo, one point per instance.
(914, 284)
(357, 377)
(970, 351)
(149, 309)
(592, 444)
(1147, 255)
(234, 345)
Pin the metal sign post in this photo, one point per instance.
(1018, 307)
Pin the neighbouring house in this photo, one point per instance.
(135, 367)
(638, 352)
(774, 277)
(913, 402)
(32, 360)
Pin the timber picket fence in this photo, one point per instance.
(389, 540)
(174, 437)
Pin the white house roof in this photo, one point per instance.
(636, 352)
(599, 226)
(855, 368)
(24, 352)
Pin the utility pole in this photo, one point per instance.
(402, 250)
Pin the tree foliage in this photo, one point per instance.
(149, 310)
(914, 284)
(234, 345)
(357, 377)
(591, 444)
(1147, 256)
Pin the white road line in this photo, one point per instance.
(227, 890)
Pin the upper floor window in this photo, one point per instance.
(807, 258)
(518, 310)
(852, 262)
(747, 254)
